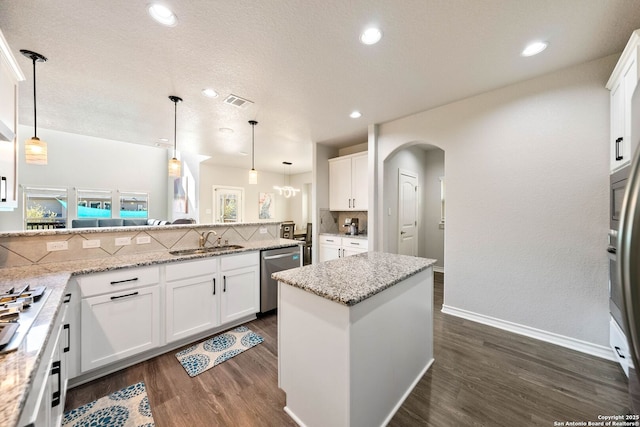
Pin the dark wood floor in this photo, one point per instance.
(481, 376)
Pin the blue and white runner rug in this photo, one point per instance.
(128, 407)
(207, 354)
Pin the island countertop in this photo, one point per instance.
(353, 279)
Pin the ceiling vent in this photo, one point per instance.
(236, 101)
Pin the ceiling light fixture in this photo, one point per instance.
(253, 174)
(210, 93)
(355, 114)
(162, 14)
(35, 150)
(174, 163)
(534, 48)
(287, 190)
(225, 130)
(371, 35)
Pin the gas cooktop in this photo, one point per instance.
(18, 310)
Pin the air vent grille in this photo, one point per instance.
(236, 101)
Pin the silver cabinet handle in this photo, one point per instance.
(355, 243)
(354, 203)
(349, 202)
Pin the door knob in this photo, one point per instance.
(403, 232)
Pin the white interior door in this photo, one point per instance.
(407, 213)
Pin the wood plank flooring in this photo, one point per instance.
(481, 376)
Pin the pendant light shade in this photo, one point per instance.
(175, 167)
(253, 174)
(35, 149)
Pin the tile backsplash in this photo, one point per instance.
(333, 221)
(30, 248)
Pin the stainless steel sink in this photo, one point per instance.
(208, 250)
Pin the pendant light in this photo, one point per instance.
(174, 163)
(286, 191)
(253, 174)
(35, 150)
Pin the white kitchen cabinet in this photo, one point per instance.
(622, 84)
(44, 405)
(348, 183)
(192, 298)
(618, 343)
(10, 76)
(240, 295)
(123, 322)
(333, 247)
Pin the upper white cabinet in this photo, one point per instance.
(622, 84)
(348, 183)
(10, 75)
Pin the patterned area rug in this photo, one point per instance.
(128, 407)
(207, 354)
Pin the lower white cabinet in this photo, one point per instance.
(618, 343)
(121, 323)
(191, 297)
(240, 296)
(44, 405)
(333, 247)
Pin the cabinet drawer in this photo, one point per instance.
(230, 262)
(115, 281)
(348, 242)
(618, 343)
(187, 269)
(330, 240)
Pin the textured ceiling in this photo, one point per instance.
(111, 67)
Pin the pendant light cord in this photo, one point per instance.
(175, 127)
(35, 120)
(253, 142)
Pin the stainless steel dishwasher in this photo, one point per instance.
(271, 261)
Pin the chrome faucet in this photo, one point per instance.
(204, 237)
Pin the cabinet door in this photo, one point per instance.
(329, 252)
(119, 325)
(191, 306)
(617, 125)
(359, 183)
(348, 251)
(240, 293)
(340, 184)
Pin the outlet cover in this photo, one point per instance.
(57, 246)
(123, 241)
(87, 244)
(143, 240)
(263, 230)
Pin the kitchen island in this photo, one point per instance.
(354, 337)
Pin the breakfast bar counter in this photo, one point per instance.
(354, 337)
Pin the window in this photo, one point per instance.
(93, 203)
(45, 208)
(134, 205)
(228, 204)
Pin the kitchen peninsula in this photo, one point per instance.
(131, 267)
(354, 337)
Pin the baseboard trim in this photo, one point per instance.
(408, 392)
(600, 351)
(438, 269)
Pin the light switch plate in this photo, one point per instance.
(57, 246)
(87, 244)
(123, 241)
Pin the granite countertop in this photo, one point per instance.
(353, 279)
(357, 236)
(18, 368)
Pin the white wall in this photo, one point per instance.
(299, 211)
(211, 175)
(527, 199)
(92, 163)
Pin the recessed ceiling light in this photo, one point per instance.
(371, 35)
(162, 14)
(534, 48)
(210, 93)
(163, 139)
(243, 153)
(225, 130)
(355, 114)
